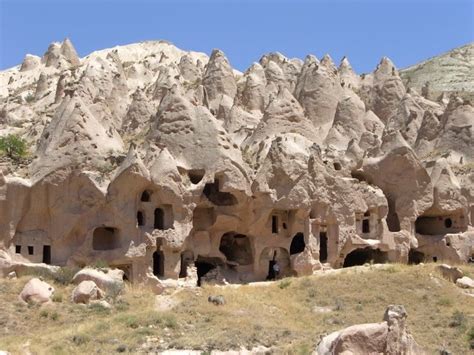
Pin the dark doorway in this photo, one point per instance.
(158, 263)
(140, 218)
(145, 196)
(393, 222)
(271, 272)
(203, 268)
(159, 219)
(18, 249)
(366, 223)
(30, 250)
(323, 247)
(47, 254)
(274, 224)
(363, 256)
(415, 257)
(365, 226)
(297, 244)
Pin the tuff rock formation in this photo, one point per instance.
(389, 337)
(162, 162)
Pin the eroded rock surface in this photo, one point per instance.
(389, 337)
(164, 163)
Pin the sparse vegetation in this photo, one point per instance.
(13, 147)
(438, 314)
(29, 98)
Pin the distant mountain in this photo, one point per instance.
(452, 71)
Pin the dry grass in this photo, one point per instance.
(278, 315)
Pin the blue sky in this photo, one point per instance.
(407, 31)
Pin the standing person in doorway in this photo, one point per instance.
(276, 270)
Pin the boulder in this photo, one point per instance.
(451, 273)
(387, 337)
(110, 280)
(465, 282)
(86, 291)
(36, 291)
(154, 284)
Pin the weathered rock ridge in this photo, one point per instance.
(163, 162)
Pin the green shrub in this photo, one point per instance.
(80, 339)
(65, 274)
(30, 98)
(100, 265)
(57, 297)
(13, 146)
(284, 284)
(457, 320)
(470, 338)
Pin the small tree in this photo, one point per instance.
(13, 146)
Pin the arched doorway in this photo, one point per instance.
(270, 256)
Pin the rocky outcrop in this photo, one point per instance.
(165, 163)
(450, 72)
(388, 337)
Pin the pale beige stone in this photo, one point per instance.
(36, 291)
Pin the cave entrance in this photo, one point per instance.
(323, 247)
(365, 255)
(297, 244)
(47, 254)
(415, 257)
(158, 263)
(140, 218)
(204, 265)
(211, 191)
(236, 248)
(434, 225)
(105, 238)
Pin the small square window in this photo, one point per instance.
(18, 249)
(30, 250)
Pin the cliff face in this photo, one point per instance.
(165, 163)
(451, 72)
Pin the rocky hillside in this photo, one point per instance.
(451, 72)
(168, 164)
